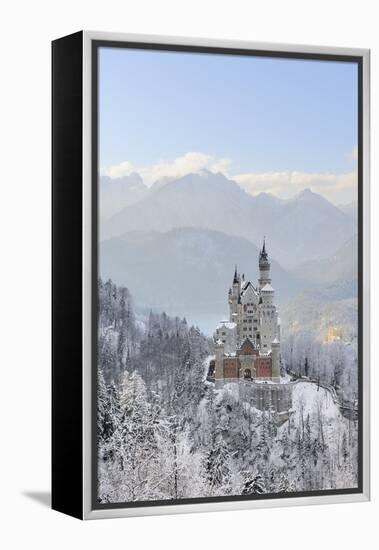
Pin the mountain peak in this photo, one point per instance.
(267, 198)
(306, 193)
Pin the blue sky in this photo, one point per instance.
(264, 115)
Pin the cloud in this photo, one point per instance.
(337, 187)
(118, 170)
(192, 162)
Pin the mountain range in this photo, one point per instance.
(340, 266)
(306, 227)
(186, 271)
(116, 193)
(351, 209)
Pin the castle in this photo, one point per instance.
(248, 344)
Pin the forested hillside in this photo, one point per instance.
(165, 433)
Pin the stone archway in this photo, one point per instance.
(247, 374)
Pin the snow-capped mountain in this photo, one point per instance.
(115, 194)
(303, 228)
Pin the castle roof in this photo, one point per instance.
(226, 324)
(246, 286)
(267, 288)
(247, 339)
(263, 256)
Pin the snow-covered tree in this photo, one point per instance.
(218, 468)
(253, 485)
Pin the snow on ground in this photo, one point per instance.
(141, 325)
(309, 396)
(285, 379)
(314, 399)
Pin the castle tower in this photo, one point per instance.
(264, 267)
(275, 358)
(268, 318)
(234, 295)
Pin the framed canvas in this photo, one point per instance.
(210, 275)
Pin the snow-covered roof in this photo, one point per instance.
(226, 324)
(246, 286)
(275, 341)
(267, 288)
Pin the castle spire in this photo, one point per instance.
(235, 280)
(263, 256)
(264, 267)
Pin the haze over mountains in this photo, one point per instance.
(116, 193)
(328, 295)
(306, 227)
(341, 266)
(175, 245)
(185, 271)
(350, 209)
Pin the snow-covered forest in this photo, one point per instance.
(334, 363)
(165, 432)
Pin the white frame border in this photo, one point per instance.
(88, 512)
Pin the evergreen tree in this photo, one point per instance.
(253, 485)
(344, 449)
(217, 466)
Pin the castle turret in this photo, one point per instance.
(234, 295)
(264, 267)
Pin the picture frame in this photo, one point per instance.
(78, 141)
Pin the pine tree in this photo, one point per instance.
(307, 437)
(253, 485)
(344, 449)
(107, 357)
(217, 466)
(283, 483)
(105, 409)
